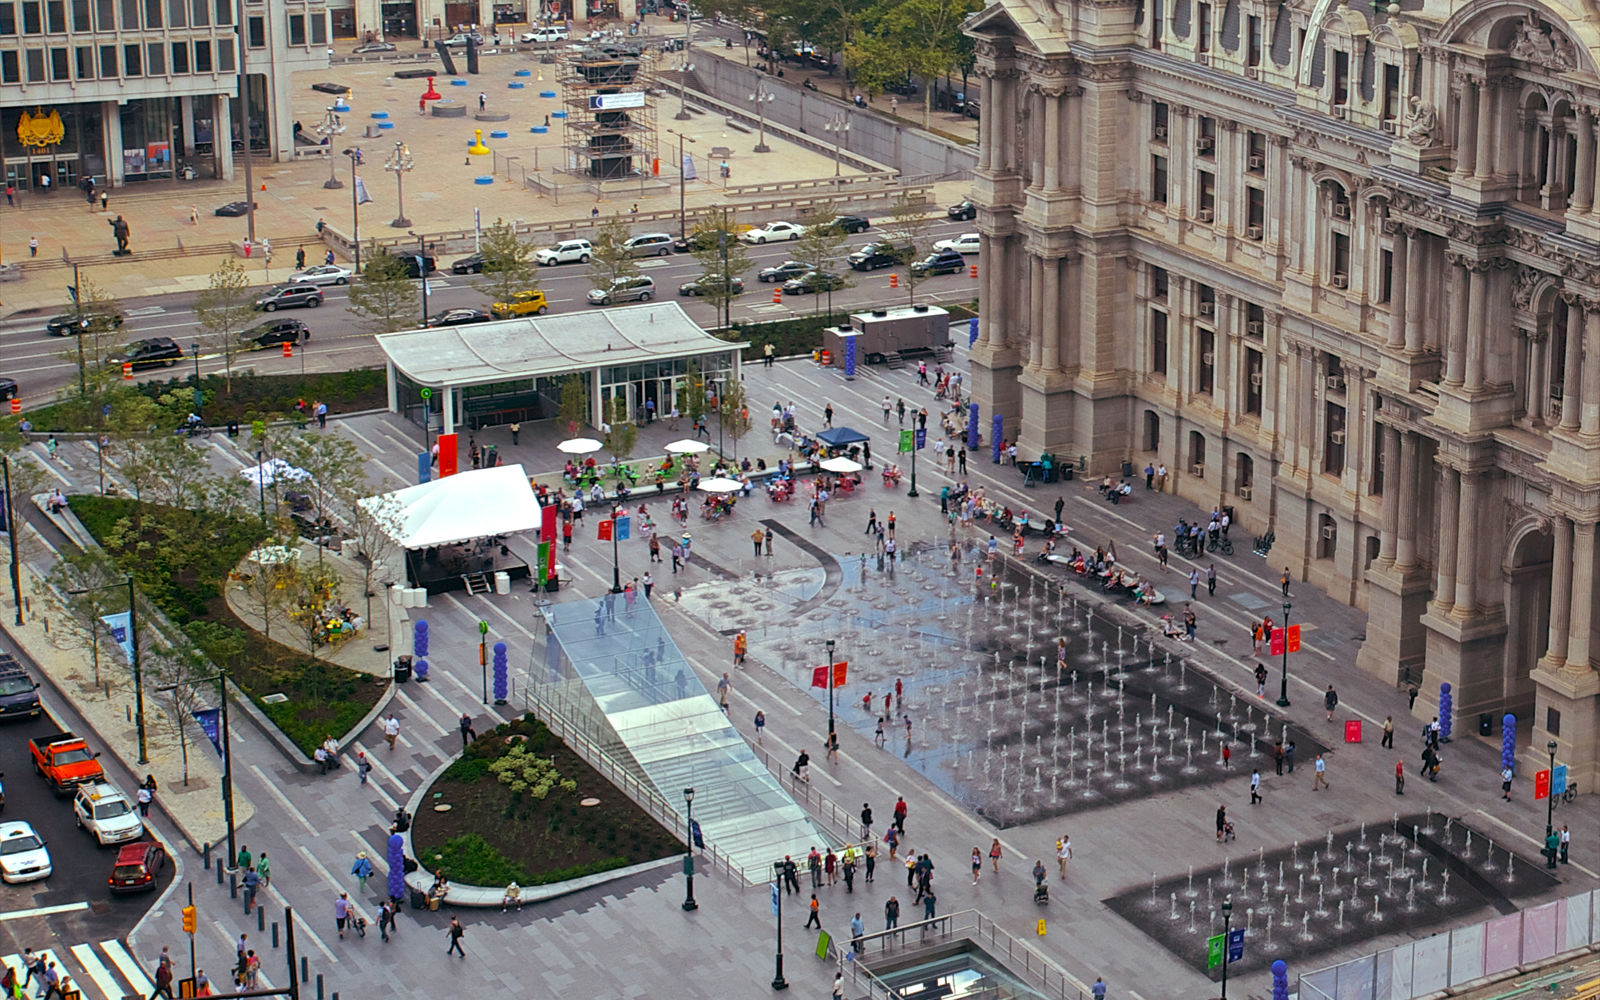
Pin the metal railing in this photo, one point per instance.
(1019, 959)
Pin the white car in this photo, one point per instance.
(565, 252)
(547, 33)
(106, 813)
(23, 857)
(773, 232)
(965, 243)
(323, 274)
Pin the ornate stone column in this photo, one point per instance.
(1466, 137)
(1392, 476)
(1582, 596)
(1591, 367)
(1483, 133)
(986, 122)
(1050, 322)
(1477, 323)
(1037, 320)
(1409, 473)
(1397, 285)
(1583, 184)
(1448, 506)
(997, 303)
(1416, 286)
(1290, 411)
(1467, 545)
(1560, 590)
(1051, 92)
(1455, 365)
(1572, 368)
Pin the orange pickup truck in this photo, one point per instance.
(65, 761)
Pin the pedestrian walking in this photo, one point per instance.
(866, 821)
(1098, 990)
(465, 725)
(838, 977)
(1284, 579)
(1552, 850)
(1222, 821)
(1194, 583)
(1277, 757)
(1321, 779)
(1388, 733)
(1566, 843)
(391, 730)
(1255, 787)
(1063, 854)
(1288, 755)
(900, 811)
(163, 978)
(1211, 580)
(1330, 701)
(1227, 755)
(320, 410)
(33, 246)
(830, 867)
(977, 864)
(994, 855)
(264, 869)
(891, 914)
(755, 540)
(1261, 680)
(857, 930)
(1505, 783)
(457, 932)
(1411, 696)
(723, 687)
(385, 919)
(363, 766)
(1399, 777)
(341, 912)
(768, 541)
(802, 766)
(144, 797)
(870, 856)
(243, 859)
(815, 919)
(741, 645)
(483, 100)
(362, 870)
(105, 196)
(252, 882)
(761, 725)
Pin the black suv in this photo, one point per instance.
(69, 323)
(941, 262)
(275, 332)
(9, 389)
(812, 282)
(874, 257)
(783, 272)
(418, 265)
(962, 211)
(851, 224)
(288, 296)
(162, 351)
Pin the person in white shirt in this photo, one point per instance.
(1063, 854)
(391, 729)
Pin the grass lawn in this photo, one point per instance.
(493, 834)
(185, 581)
(250, 397)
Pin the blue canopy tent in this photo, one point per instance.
(840, 439)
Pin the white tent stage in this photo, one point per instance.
(451, 529)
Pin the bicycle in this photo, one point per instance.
(195, 431)
(1570, 793)
(1220, 544)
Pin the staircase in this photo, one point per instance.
(892, 360)
(478, 583)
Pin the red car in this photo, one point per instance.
(138, 866)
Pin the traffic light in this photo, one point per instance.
(189, 919)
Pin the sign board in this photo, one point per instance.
(773, 888)
(210, 720)
(1294, 638)
(1214, 951)
(616, 102)
(824, 939)
(906, 441)
(1352, 730)
(1235, 944)
(922, 438)
(1541, 785)
(1275, 644)
(1558, 780)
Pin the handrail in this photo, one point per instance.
(1020, 959)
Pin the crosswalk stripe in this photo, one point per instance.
(98, 973)
(128, 967)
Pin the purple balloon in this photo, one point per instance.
(397, 869)
(1280, 980)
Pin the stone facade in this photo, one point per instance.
(1337, 267)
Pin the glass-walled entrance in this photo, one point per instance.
(664, 382)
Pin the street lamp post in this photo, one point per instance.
(227, 758)
(762, 97)
(688, 858)
(401, 162)
(422, 252)
(683, 179)
(1550, 800)
(683, 80)
(329, 127)
(354, 152)
(10, 513)
(199, 397)
(838, 126)
(830, 695)
(616, 564)
(1283, 685)
(778, 982)
(1227, 923)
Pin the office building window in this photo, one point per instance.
(9, 71)
(85, 54)
(8, 19)
(80, 16)
(178, 13)
(1158, 342)
(60, 70)
(180, 57)
(319, 27)
(297, 29)
(31, 25)
(55, 13)
(132, 61)
(108, 63)
(156, 59)
(202, 57)
(258, 33)
(130, 15)
(152, 13)
(35, 59)
(225, 55)
(1158, 179)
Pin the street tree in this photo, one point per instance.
(508, 266)
(88, 586)
(262, 587)
(693, 392)
(717, 248)
(622, 433)
(334, 476)
(609, 260)
(574, 406)
(310, 590)
(384, 297)
(733, 410)
(96, 338)
(225, 308)
(907, 232)
(375, 524)
(178, 673)
(820, 249)
(927, 33)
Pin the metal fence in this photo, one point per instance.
(1452, 960)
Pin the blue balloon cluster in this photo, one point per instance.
(397, 867)
(419, 646)
(501, 686)
(1508, 741)
(1446, 702)
(1280, 980)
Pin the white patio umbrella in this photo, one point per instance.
(579, 446)
(840, 464)
(273, 470)
(721, 485)
(687, 447)
(273, 555)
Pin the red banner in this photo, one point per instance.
(448, 465)
(547, 525)
(605, 530)
(819, 675)
(1275, 644)
(1541, 785)
(1294, 638)
(1352, 730)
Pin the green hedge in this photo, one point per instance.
(250, 397)
(471, 860)
(787, 336)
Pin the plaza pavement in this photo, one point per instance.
(312, 826)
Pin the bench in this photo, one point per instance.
(721, 152)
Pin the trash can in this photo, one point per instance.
(502, 582)
(419, 899)
(1066, 473)
(1127, 470)
(402, 669)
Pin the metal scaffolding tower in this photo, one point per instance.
(611, 116)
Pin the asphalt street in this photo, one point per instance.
(42, 364)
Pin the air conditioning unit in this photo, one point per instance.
(1341, 111)
(1208, 309)
(1204, 144)
(1391, 126)
(1204, 215)
(1251, 72)
(1254, 232)
(1336, 383)
(1198, 471)
(1341, 281)
(1257, 161)
(1337, 437)
(1202, 58)
(1208, 358)
(1253, 328)
(1341, 210)
(1330, 532)
(1245, 491)
(1160, 132)
(1256, 379)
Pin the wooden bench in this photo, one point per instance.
(721, 152)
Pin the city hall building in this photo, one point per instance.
(1336, 266)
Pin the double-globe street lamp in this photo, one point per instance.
(400, 162)
(330, 126)
(1283, 685)
(762, 97)
(839, 126)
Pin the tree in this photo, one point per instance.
(508, 266)
(97, 338)
(622, 435)
(308, 591)
(88, 585)
(262, 585)
(820, 247)
(384, 296)
(574, 407)
(178, 674)
(334, 471)
(734, 412)
(374, 526)
(224, 310)
(694, 393)
(717, 248)
(609, 260)
(907, 231)
(926, 34)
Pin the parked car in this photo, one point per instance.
(636, 289)
(565, 252)
(851, 224)
(962, 210)
(525, 303)
(812, 282)
(289, 297)
(874, 256)
(649, 245)
(19, 692)
(965, 243)
(460, 39)
(367, 48)
(23, 857)
(941, 262)
(60, 326)
(234, 209)
(417, 265)
(138, 867)
(469, 265)
(544, 33)
(905, 88)
(275, 333)
(783, 272)
(773, 232)
(149, 353)
(970, 108)
(9, 389)
(460, 317)
(710, 281)
(695, 241)
(323, 274)
(105, 812)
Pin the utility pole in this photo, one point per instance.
(12, 529)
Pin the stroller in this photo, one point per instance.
(1041, 894)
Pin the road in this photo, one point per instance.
(40, 363)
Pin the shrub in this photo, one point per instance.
(526, 772)
(466, 770)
